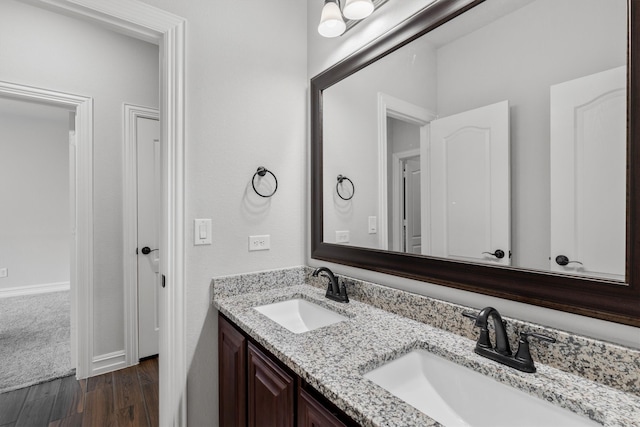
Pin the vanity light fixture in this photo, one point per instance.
(331, 22)
(334, 22)
(357, 9)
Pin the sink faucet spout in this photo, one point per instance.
(501, 353)
(502, 342)
(333, 281)
(334, 291)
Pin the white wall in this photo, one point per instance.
(246, 102)
(322, 53)
(43, 49)
(35, 233)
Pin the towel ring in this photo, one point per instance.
(353, 187)
(262, 171)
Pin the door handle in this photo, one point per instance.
(564, 260)
(499, 253)
(147, 250)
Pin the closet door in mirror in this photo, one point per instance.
(469, 186)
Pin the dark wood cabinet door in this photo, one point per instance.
(271, 392)
(312, 413)
(232, 375)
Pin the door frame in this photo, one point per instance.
(389, 106)
(145, 22)
(81, 256)
(130, 226)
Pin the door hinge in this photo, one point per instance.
(163, 281)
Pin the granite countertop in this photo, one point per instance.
(332, 360)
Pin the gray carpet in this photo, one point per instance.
(34, 339)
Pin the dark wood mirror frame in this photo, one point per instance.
(596, 298)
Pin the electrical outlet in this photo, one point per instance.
(342, 236)
(4, 272)
(260, 243)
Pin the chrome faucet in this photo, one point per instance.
(501, 352)
(335, 292)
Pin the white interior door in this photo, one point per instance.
(149, 188)
(588, 174)
(470, 185)
(412, 225)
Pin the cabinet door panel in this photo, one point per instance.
(271, 391)
(312, 414)
(231, 375)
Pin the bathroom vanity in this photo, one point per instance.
(325, 373)
(256, 386)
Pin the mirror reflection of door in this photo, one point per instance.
(403, 144)
(149, 188)
(412, 235)
(588, 175)
(469, 169)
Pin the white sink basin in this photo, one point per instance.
(455, 395)
(299, 315)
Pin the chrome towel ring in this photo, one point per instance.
(262, 171)
(342, 178)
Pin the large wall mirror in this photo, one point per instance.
(488, 146)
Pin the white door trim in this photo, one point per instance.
(130, 226)
(81, 215)
(389, 106)
(145, 22)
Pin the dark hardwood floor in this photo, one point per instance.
(124, 398)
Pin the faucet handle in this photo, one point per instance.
(343, 291)
(470, 315)
(483, 340)
(541, 337)
(523, 352)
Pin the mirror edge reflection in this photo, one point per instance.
(598, 298)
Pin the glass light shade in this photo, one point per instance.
(357, 9)
(331, 22)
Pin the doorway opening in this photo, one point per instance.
(36, 241)
(80, 202)
(167, 30)
(405, 228)
(403, 143)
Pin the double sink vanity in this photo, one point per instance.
(357, 364)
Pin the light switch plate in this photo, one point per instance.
(202, 231)
(373, 225)
(4, 272)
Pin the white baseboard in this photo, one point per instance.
(19, 291)
(108, 362)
